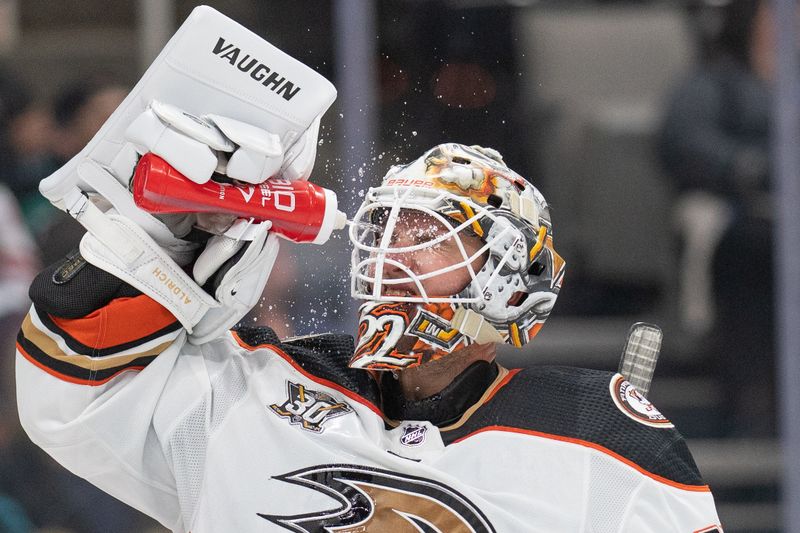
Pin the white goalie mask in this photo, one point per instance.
(496, 232)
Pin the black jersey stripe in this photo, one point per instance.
(74, 373)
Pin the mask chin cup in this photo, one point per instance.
(400, 335)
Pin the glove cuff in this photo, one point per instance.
(129, 253)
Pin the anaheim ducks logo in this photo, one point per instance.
(372, 500)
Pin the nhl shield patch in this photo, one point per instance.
(413, 435)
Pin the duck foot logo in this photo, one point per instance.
(375, 500)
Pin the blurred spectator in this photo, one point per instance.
(34, 491)
(30, 142)
(14, 98)
(78, 111)
(36, 142)
(18, 258)
(715, 143)
(12, 517)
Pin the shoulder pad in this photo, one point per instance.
(324, 356)
(595, 408)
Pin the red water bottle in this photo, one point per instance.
(299, 210)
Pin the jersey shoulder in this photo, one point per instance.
(588, 407)
(322, 356)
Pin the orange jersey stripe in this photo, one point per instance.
(123, 320)
(618, 457)
(511, 373)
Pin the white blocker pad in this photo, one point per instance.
(212, 65)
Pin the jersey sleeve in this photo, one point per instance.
(94, 358)
(659, 508)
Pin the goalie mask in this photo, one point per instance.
(452, 249)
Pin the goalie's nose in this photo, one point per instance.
(398, 276)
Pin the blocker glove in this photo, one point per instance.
(202, 115)
(150, 252)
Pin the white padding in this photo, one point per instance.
(299, 160)
(192, 158)
(101, 181)
(241, 287)
(195, 127)
(218, 250)
(524, 207)
(196, 71)
(260, 153)
(251, 166)
(249, 136)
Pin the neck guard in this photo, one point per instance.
(444, 407)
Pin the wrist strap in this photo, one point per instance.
(123, 249)
(119, 246)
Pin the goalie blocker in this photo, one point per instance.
(228, 121)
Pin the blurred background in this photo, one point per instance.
(646, 125)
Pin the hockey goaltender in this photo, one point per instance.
(411, 427)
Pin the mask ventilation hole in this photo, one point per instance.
(517, 299)
(494, 201)
(536, 268)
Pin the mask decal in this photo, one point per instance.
(394, 336)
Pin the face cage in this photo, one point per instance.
(366, 257)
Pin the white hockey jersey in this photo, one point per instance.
(247, 434)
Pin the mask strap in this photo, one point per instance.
(475, 326)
